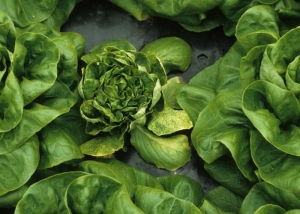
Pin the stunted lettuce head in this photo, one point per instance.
(125, 96)
(118, 87)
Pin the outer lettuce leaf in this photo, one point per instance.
(274, 166)
(53, 13)
(165, 152)
(8, 32)
(107, 170)
(264, 27)
(35, 67)
(47, 195)
(24, 13)
(225, 171)
(120, 203)
(276, 58)
(61, 14)
(184, 12)
(221, 200)
(134, 175)
(11, 198)
(168, 121)
(173, 52)
(221, 128)
(183, 188)
(19, 165)
(263, 194)
(60, 139)
(154, 201)
(274, 112)
(11, 98)
(270, 208)
(89, 193)
(250, 65)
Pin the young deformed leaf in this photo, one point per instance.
(89, 193)
(183, 188)
(165, 152)
(155, 201)
(19, 165)
(47, 195)
(173, 52)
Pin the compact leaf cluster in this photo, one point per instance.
(123, 93)
(242, 111)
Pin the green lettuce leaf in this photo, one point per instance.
(154, 201)
(164, 152)
(19, 165)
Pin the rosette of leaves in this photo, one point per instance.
(127, 91)
(113, 187)
(34, 97)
